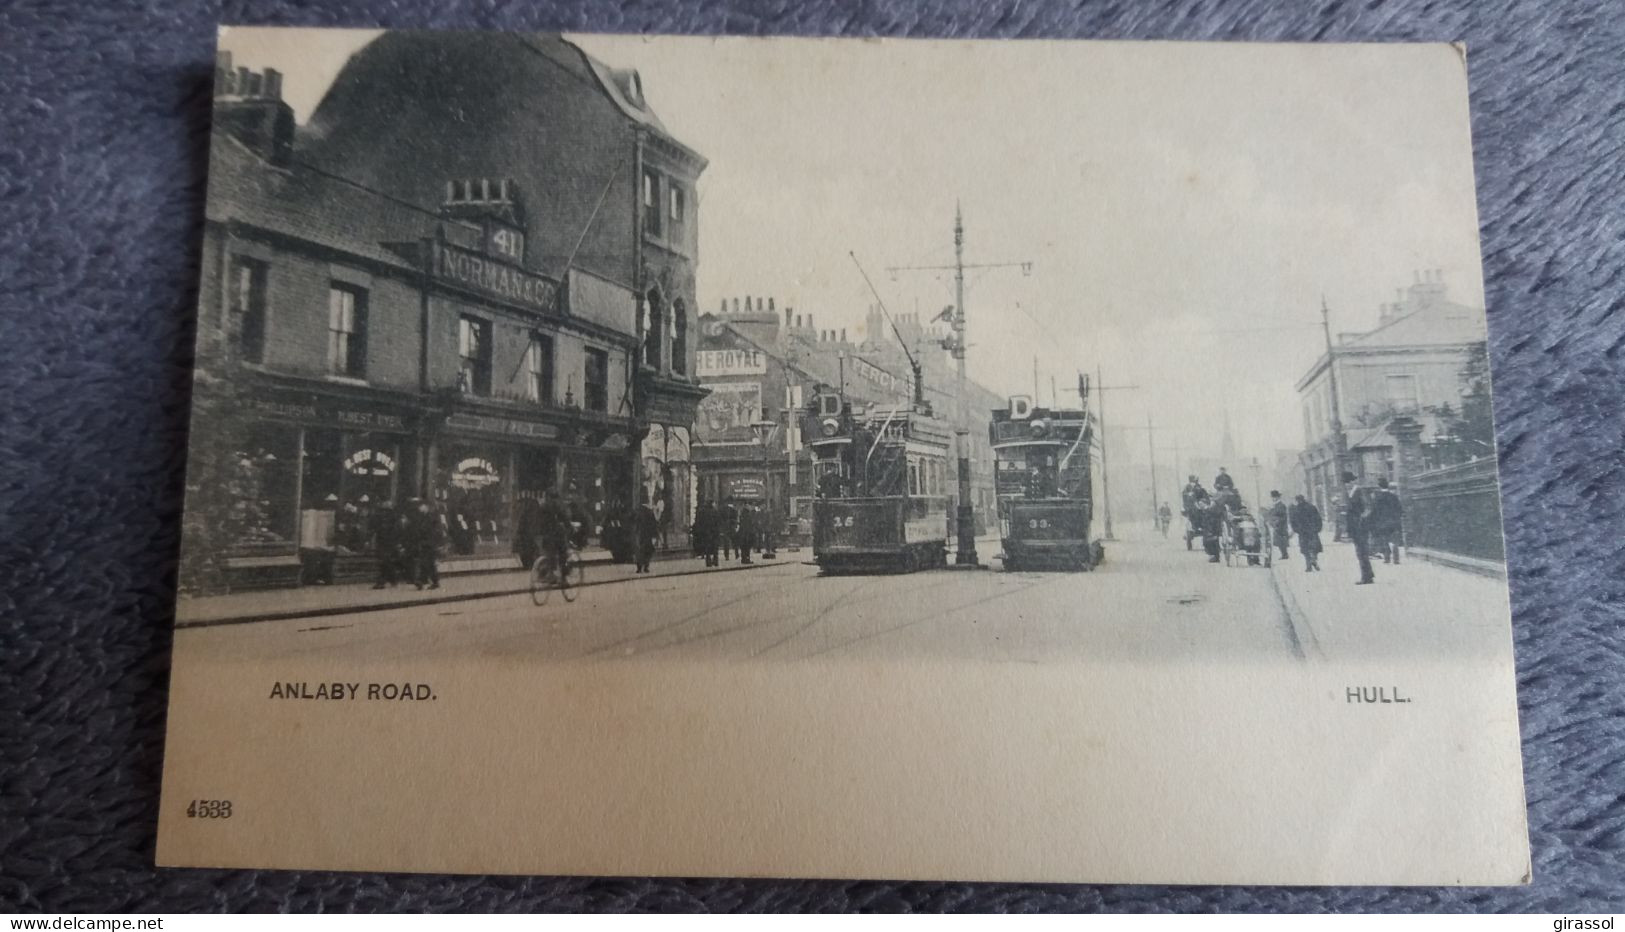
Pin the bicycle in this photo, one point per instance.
(543, 578)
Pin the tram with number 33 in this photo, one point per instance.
(1043, 476)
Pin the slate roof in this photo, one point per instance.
(313, 205)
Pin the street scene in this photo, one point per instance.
(487, 390)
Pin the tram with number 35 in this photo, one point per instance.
(882, 485)
(1043, 476)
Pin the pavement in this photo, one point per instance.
(324, 601)
(1416, 609)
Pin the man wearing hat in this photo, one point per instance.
(1359, 515)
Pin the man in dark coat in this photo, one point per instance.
(527, 532)
(1211, 523)
(1304, 518)
(645, 533)
(555, 531)
(745, 533)
(1386, 517)
(386, 544)
(1359, 525)
(705, 532)
(1279, 522)
(727, 528)
(425, 535)
(1222, 482)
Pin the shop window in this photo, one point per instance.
(679, 337)
(539, 366)
(475, 490)
(474, 352)
(595, 380)
(248, 302)
(651, 203)
(347, 331)
(262, 511)
(654, 322)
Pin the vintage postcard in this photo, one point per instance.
(1047, 461)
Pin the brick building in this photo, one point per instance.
(760, 362)
(469, 279)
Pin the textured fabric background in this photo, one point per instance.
(103, 118)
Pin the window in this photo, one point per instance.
(675, 200)
(1402, 394)
(651, 203)
(474, 348)
(653, 322)
(347, 331)
(596, 380)
(539, 363)
(679, 337)
(248, 302)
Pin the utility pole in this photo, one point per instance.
(965, 514)
(1151, 441)
(1339, 441)
(1105, 484)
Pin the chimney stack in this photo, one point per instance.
(843, 334)
(248, 106)
(770, 305)
(786, 315)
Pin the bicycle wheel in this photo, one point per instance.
(570, 580)
(541, 583)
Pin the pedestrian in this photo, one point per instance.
(1165, 517)
(527, 530)
(1305, 522)
(1211, 520)
(645, 533)
(727, 528)
(1386, 519)
(386, 544)
(1279, 522)
(745, 533)
(426, 536)
(1222, 482)
(1359, 526)
(704, 531)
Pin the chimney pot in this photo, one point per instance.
(736, 305)
(843, 334)
(747, 304)
(770, 305)
(273, 83)
(798, 321)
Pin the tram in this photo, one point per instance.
(1043, 485)
(882, 481)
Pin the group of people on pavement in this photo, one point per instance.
(406, 541)
(1374, 519)
(720, 530)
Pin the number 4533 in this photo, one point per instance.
(209, 809)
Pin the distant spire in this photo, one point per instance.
(1227, 447)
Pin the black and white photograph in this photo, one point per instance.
(1096, 432)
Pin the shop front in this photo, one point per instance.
(486, 467)
(311, 471)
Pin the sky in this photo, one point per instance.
(1185, 208)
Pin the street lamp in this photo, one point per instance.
(1258, 497)
(765, 430)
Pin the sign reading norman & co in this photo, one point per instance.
(498, 279)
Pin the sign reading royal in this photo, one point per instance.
(504, 281)
(730, 362)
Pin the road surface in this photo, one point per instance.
(1151, 600)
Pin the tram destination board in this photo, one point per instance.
(1109, 496)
